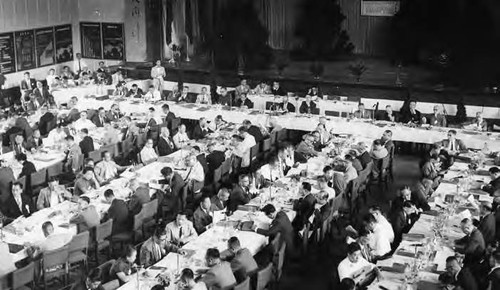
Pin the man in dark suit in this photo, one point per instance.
(47, 121)
(169, 116)
(402, 221)
(304, 207)
(28, 167)
(411, 115)
(225, 98)
(460, 277)
(99, 118)
(18, 204)
(41, 93)
(6, 178)
(494, 275)
(118, 211)
(253, 130)
(174, 184)
(219, 275)
(280, 224)
(494, 184)
(219, 201)
(20, 146)
(27, 86)
(286, 105)
(201, 130)
(165, 143)
(114, 113)
(307, 106)
(388, 115)
(202, 215)
(214, 160)
(152, 126)
(87, 143)
(242, 262)
(437, 119)
(134, 92)
(487, 224)
(35, 141)
(140, 196)
(472, 245)
(244, 101)
(240, 194)
(277, 90)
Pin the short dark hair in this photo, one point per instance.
(377, 142)
(85, 198)
(247, 122)
(353, 247)
(160, 230)
(494, 170)
(451, 259)
(151, 87)
(53, 178)
(369, 218)
(234, 241)
(364, 232)
(165, 171)
(327, 168)
(100, 108)
(361, 104)
(69, 137)
(197, 148)
(347, 284)
(203, 197)
(134, 85)
(186, 273)
(46, 224)
(108, 193)
(87, 160)
(21, 157)
(95, 275)
(242, 129)
(85, 130)
(306, 186)
(213, 253)
(87, 169)
(268, 209)
(375, 208)
(165, 106)
(454, 132)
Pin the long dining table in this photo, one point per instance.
(421, 256)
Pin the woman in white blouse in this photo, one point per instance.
(181, 139)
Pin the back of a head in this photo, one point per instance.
(347, 284)
(268, 209)
(213, 253)
(353, 247)
(234, 242)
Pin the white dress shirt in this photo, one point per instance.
(243, 150)
(79, 65)
(55, 241)
(153, 97)
(270, 173)
(379, 241)
(180, 139)
(55, 138)
(386, 228)
(196, 173)
(347, 269)
(158, 72)
(185, 232)
(148, 154)
(85, 123)
(106, 169)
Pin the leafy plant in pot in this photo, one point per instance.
(357, 69)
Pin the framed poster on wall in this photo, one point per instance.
(64, 43)
(44, 46)
(113, 41)
(25, 49)
(7, 55)
(91, 39)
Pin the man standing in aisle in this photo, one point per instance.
(158, 74)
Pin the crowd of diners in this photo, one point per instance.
(365, 239)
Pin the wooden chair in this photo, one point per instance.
(111, 148)
(272, 138)
(131, 236)
(55, 170)
(264, 277)
(95, 155)
(282, 135)
(38, 180)
(103, 234)
(275, 244)
(149, 209)
(55, 266)
(254, 152)
(106, 281)
(24, 276)
(22, 180)
(175, 125)
(78, 249)
(245, 285)
(126, 146)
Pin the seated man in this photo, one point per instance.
(362, 113)
(204, 97)
(242, 262)
(220, 274)
(152, 95)
(140, 195)
(220, 201)
(28, 166)
(122, 268)
(184, 97)
(35, 142)
(243, 102)
(165, 142)
(355, 266)
(240, 194)
(148, 153)
(307, 106)
(389, 115)
(280, 224)
(17, 204)
(20, 146)
(87, 143)
(52, 195)
(382, 222)
(134, 92)
(99, 118)
(157, 247)
(379, 241)
(87, 216)
(461, 276)
(118, 212)
(201, 130)
(86, 182)
(195, 178)
(479, 123)
(402, 220)
(431, 170)
(253, 130)
(181, 138)
(187, 281)
(180, 231)
(120, 90)
(83, 122)
(92, 282)
(107, 169)
(471, 245)
(53, 241)
(452, 146)
(494, 184)
(203, 215)
(437, 119)
(306, 147)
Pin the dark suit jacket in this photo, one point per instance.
(217, 204)
(409, 117)
(494, 279)
(97, 121)
(87, 145)
(32, 143)
(6, 178)
(281, 224)
(304, 210)
(439, 120)
(487, 227)
(44, 95)
(137, 94)
(140, 197)
(278, 92)
(365, 159)
(215, 160)
(153, 129)
(168, 120)
(493, 186)
(247, 103)
(473, 247)
(164, 148)
(176, 185)
(28, 169)
(12, 211)
(466, 280)
(459, 144)
(256, 133)
(385, 117)
(305, 108)
(201, 220)
(47, 122)
(288, 107)
(118, 211)
(199, 133)
(401, 224)
(238, 196)
(24, 84)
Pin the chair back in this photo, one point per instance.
(254, 151)
(315, 111)
(332, 113)
(245, 285)
(266, 145)
(95, 155)
(104, 230)
(52, 259)
(264, 277)
(141, 140)
(79, 242)
(273, 137)
(275, 243)
(282, 135)
(126, 146)
(226, 166)
(55, 170)
(105, 267)
(138, 221)
(39, 178)
(22, 180)
(23, 276)
(217, 175)
(111, 148)
(149, 209)
(175, 125)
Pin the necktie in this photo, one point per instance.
(452, 147)
(180, 234)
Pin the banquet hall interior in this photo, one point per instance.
(249, 144)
